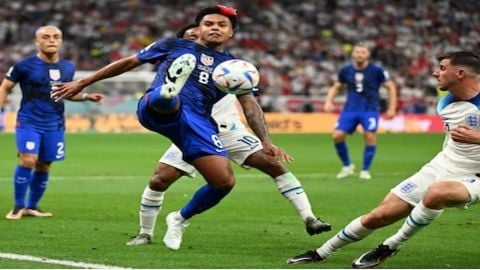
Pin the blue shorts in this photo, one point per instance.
(48, 145)
(348, 121)
(194, 134)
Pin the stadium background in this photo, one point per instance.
(298, 46)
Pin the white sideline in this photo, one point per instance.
(237, 175)
(20, 257)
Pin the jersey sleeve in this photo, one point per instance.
(341, 76)
(15, 73)
(155, 52)
(383, 75)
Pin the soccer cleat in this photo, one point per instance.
(140, 240)
(16, 213)
(346, 171)
(310, 256)
(374, 257)
(175, 229)
(177, 75)
(36, 212)
(365, 175)
(316, 226)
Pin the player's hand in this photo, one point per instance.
(61, 91)
(328, 107)
(96, 97)
(277, 152)
(389, 114)
(465, 134)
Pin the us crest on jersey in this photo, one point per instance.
(473, 120)
(54, 74)
(206, 60)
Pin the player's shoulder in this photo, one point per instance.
(27, 60)
(67, 64)
(376, 66)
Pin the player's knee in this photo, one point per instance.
(225, 183)
(160, 183)
(28, 161)
(436, 195)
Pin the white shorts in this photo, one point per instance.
(239, 143)
(438, 169)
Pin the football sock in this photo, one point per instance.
(353, 232)
(150, 206)
(419, 217)
(292, 189)
(342, 152)
(21, 181)
(38, 185)
(368, 155)
(205, 198)
(160, 103)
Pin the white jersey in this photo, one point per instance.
(457, 161)
(454, 113)
(226, 114)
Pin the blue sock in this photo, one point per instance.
(342, 152)
(160, 103)
(38, 186)
(205, 198)
(368, 155)
(21, 181)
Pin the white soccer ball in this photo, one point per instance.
(236, 76)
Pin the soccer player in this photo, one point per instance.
(178, 106)
(362, 107)
(40, 130)
(243, 148)
(450, 179)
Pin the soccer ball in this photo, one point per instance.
(236, 76)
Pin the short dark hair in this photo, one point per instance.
(185, 28)
(229, 12)
(463, 58)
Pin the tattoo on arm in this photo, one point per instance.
(255, 117)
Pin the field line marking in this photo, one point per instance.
(19, 257)
(241, 176)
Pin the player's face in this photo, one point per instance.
(191, 34)
(360, 54)
(446, 75)
(49, 40)
(214, 29)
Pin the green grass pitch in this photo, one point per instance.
(94, 195)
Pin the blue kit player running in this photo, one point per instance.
(363, 80)
(40, 129)
(178, 106)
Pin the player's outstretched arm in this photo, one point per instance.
(256, 120)
(94, 97)
(67, 90)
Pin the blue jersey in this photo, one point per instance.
(199, 92)
(362, 87)
(36, 77)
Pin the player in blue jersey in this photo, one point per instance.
(178, 105)
(243, 148)
(450, 179)
(362, 107)
(40, 129)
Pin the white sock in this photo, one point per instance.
(353, 232)
(419, 217)
(292, 189)
(149, 209)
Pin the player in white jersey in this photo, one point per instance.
(450, 179)
(244, 148)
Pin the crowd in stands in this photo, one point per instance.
(297, 45)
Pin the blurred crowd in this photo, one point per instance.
(297, 45)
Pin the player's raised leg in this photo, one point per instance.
(177, 75)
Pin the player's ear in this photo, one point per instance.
(231, 33)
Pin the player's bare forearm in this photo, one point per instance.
(70, 89)
(5, 89)
(255, 117)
